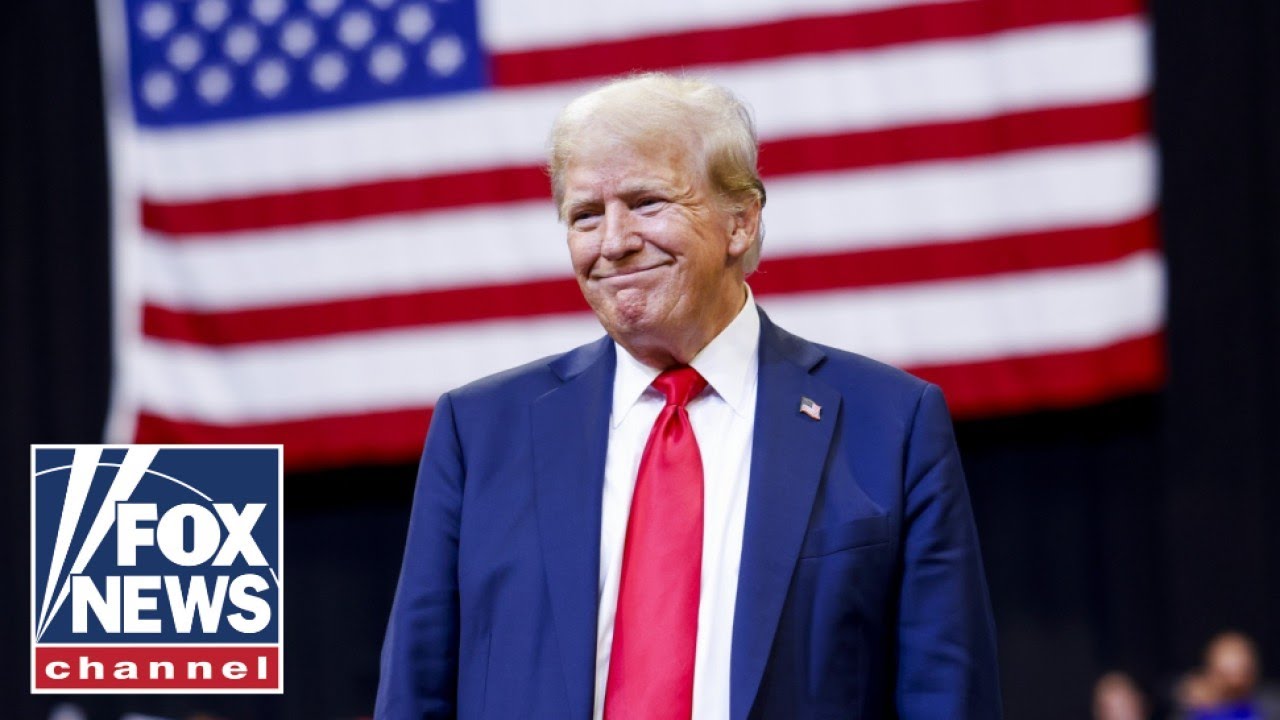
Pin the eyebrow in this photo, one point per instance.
(628, 189)
(640, 187)
(572, 206)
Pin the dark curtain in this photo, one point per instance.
(1117, 536)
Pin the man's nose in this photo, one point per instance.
(620, 234)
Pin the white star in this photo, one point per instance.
(185, 51)
(267, 11)
(156, 19)
(241, 43)
(214, 84)
(323, 8)
(158, 88)
(212, 13)
(446, 54)
(298, 37)
(386, 62)
(413, 22)
(270, 77)
(328, 71)
(355, 29)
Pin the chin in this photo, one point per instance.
(627, 323)
(630, 314)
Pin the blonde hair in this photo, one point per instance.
(647, 106)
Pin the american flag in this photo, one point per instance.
(328, 212)
(810, 408)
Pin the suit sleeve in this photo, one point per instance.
(946, 637)
(419, 670)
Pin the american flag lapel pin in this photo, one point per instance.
(810, 408)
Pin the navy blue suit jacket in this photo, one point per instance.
(860, 593)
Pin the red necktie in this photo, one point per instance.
(656, 624)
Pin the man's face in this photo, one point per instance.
(656, 256)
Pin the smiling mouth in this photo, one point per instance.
(628, 272)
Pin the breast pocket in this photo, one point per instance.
(860, 532)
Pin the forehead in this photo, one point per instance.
(600, 157)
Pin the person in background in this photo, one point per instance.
(1193, 693)
(1117, 697)
(1227, 687)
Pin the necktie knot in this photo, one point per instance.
(679, 385)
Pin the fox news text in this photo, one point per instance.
(156, 568)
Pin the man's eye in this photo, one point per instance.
(649, 202)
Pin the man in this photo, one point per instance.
(699, 515)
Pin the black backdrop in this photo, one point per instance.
(1116, 536)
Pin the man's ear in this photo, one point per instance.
(744, 226)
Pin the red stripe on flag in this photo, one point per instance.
(973, 390)
(951, 261)
(845, 151)
(381, 312)
(348, 202)
(1043, 382)
(956, 140)
(886, 266)
(782, 38)
(314, 442)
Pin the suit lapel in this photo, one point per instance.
(570, 435)
(788, 454)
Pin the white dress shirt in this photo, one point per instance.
(723, 417)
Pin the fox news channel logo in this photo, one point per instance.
(156, 569)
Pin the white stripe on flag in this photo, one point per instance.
(519, 24)
(1038, 312)
(1013, 315)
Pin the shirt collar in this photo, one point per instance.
(728, 363)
